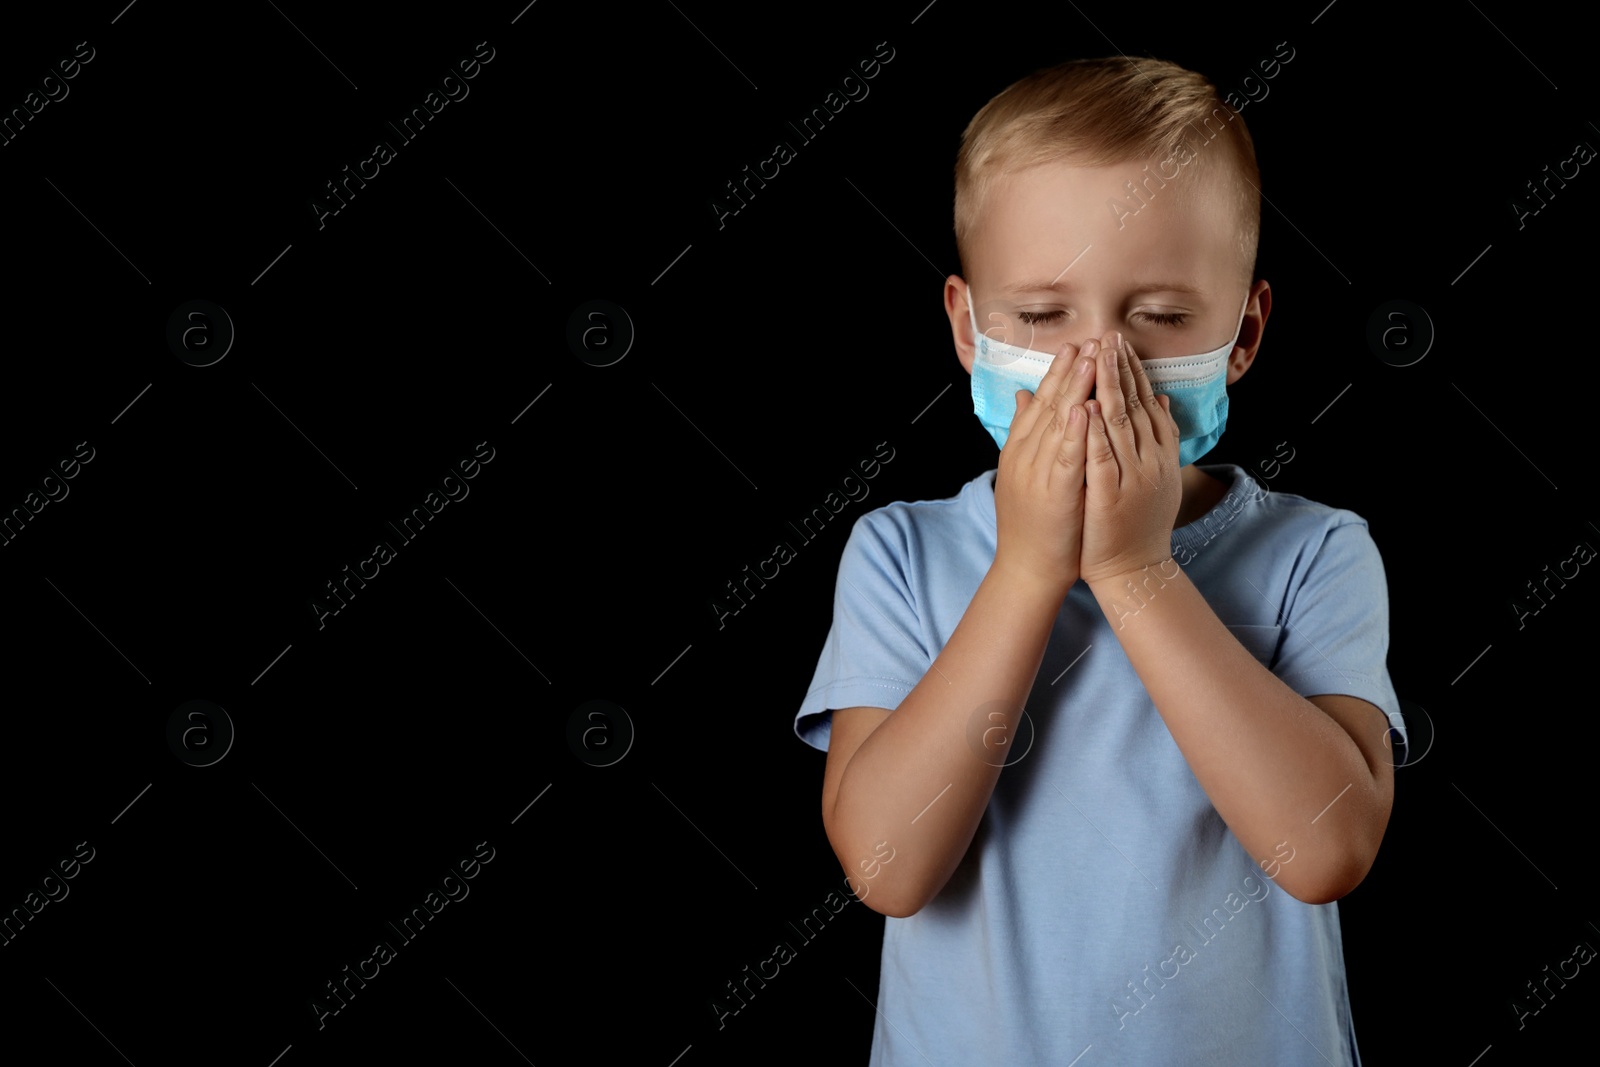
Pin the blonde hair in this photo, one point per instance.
(1100, 112)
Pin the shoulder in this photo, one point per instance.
(1287, 533)
(906, 526)
(1322, 544)
(1293, 515)
(1314, 523)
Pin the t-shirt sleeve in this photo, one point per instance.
(875, 653)
(1336, 638)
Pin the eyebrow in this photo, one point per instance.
(1142, 287)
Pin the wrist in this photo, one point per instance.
(1029, 584)
(1118, 580)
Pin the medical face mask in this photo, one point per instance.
(1196, 387)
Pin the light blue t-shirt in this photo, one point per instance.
(1104, 909)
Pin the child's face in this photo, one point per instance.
(1051, 262)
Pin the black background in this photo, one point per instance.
(771, 354)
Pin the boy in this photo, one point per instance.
(1107, 732)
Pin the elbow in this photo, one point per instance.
(891, 905)
(892, 894)
(895, 892)
(870, 877)
(1343, 858)
(1327, 883)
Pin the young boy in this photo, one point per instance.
(1108, 732)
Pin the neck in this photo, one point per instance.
(1201, 493)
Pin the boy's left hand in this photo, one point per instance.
(1134, 489)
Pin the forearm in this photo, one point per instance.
(1275, 766)
(922, 779)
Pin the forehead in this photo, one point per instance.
(1036, 223)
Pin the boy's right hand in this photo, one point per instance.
(1039, 488)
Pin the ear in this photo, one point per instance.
(1256, 310)
(956, 295)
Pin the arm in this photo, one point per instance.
(919, 778)
(1315, 773)
(911, 777)
(1278, 768)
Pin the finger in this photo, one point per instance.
(1146, 394)
(1080, 383)
(1100, 459)
(1056, 376)
(1075, 389)
(1066, 472)
(1022, 420)
(1042, 445)
(1138, 419)
(1051, 418)
(1172, 422)
(1114, 406)
(1023, 425)
(1148, 448)
(1137, 415)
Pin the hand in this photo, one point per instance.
(1133, 488)
(1039, 488)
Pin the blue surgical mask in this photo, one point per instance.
(1196, 387)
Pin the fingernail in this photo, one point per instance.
(1084, 366)
(1089, 347)
(1119, 338)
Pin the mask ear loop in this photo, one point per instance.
(972, 317)
(1240, 324)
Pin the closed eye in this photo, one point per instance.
(1162, 319)
(1038, 318)
(1045, 318)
